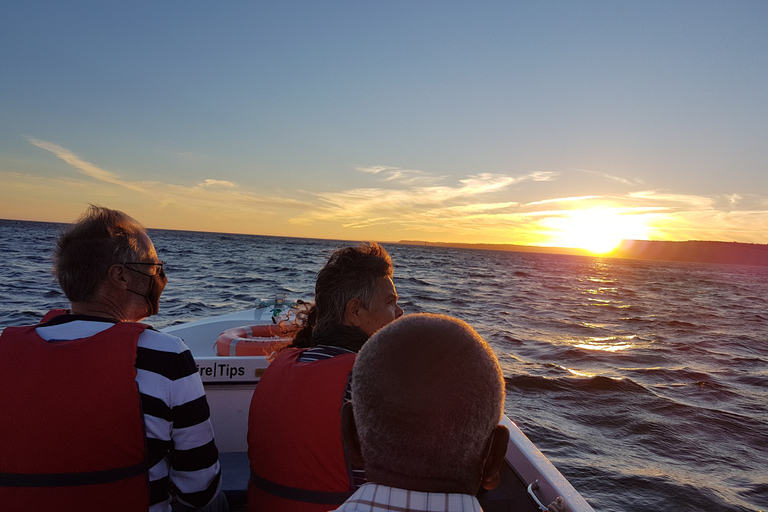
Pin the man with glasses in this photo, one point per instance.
(101, 412)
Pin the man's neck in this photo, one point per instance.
(101, 310)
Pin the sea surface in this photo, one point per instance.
(645, 383)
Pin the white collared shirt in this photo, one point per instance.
(381, 498)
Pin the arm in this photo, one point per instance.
(177, 422)
(195, 472)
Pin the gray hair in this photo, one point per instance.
(84, 252)
(455, 397)
(350, 273)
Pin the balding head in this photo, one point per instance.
(428, 394)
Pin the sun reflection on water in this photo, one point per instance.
(575, 372)
(586, 374)
(607, 344)
(602, 290)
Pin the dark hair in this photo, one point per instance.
(84, 252)
(350, 273)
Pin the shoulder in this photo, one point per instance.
(323, 352)
(156, 340)
(72, 330)
(165, 355)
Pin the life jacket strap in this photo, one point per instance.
(297, 494)
(71, 479)
(79, 478)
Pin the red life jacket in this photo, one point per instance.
(53, 313)
(72, 431)
(296, 452)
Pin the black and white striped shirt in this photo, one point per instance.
(176, 415)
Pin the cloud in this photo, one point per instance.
(561, 200)
(462, 210)
(211, 202)
(625, 181)
(427, 205)
(376, 169)
(727, 217)
(86, 168)
(740, 202)
(689, 200)
(542, 176)
(396, 203)
(402, 176)
(485, 182)
(209, 183)
(476, 208)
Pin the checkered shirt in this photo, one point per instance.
(381, 498)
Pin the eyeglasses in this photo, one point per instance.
(160, 264)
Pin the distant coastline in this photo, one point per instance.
(502, 247)
(735, 253)
(697, 251)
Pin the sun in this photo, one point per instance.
(598, 230)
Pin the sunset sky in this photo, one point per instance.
(566, 123)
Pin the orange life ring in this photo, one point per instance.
(253, 340)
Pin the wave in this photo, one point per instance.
(596, 384)
(418, 281)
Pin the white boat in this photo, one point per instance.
(527, 475)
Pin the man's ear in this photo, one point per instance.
(116, 275)
(495, 457)
(349, 434)
(352, 312)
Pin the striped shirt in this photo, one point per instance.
(176, 415)
(381, 498)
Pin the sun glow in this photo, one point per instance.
(598, 230)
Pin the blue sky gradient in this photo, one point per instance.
(491, 122)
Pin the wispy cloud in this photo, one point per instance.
(378, 203)
(740, 202)
(412, 177)
(211, 202)
(484, 182)
(209, 183)
(86, 168)
(397, 203)
(433, 207)
(625, 181)
(462, 209)
(377, 169)
(480, 207)
(679, 199)
(542, 176)
(561, 200)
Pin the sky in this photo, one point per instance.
(552, 123)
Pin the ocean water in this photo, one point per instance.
(645, 383)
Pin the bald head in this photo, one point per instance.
(428, 392)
